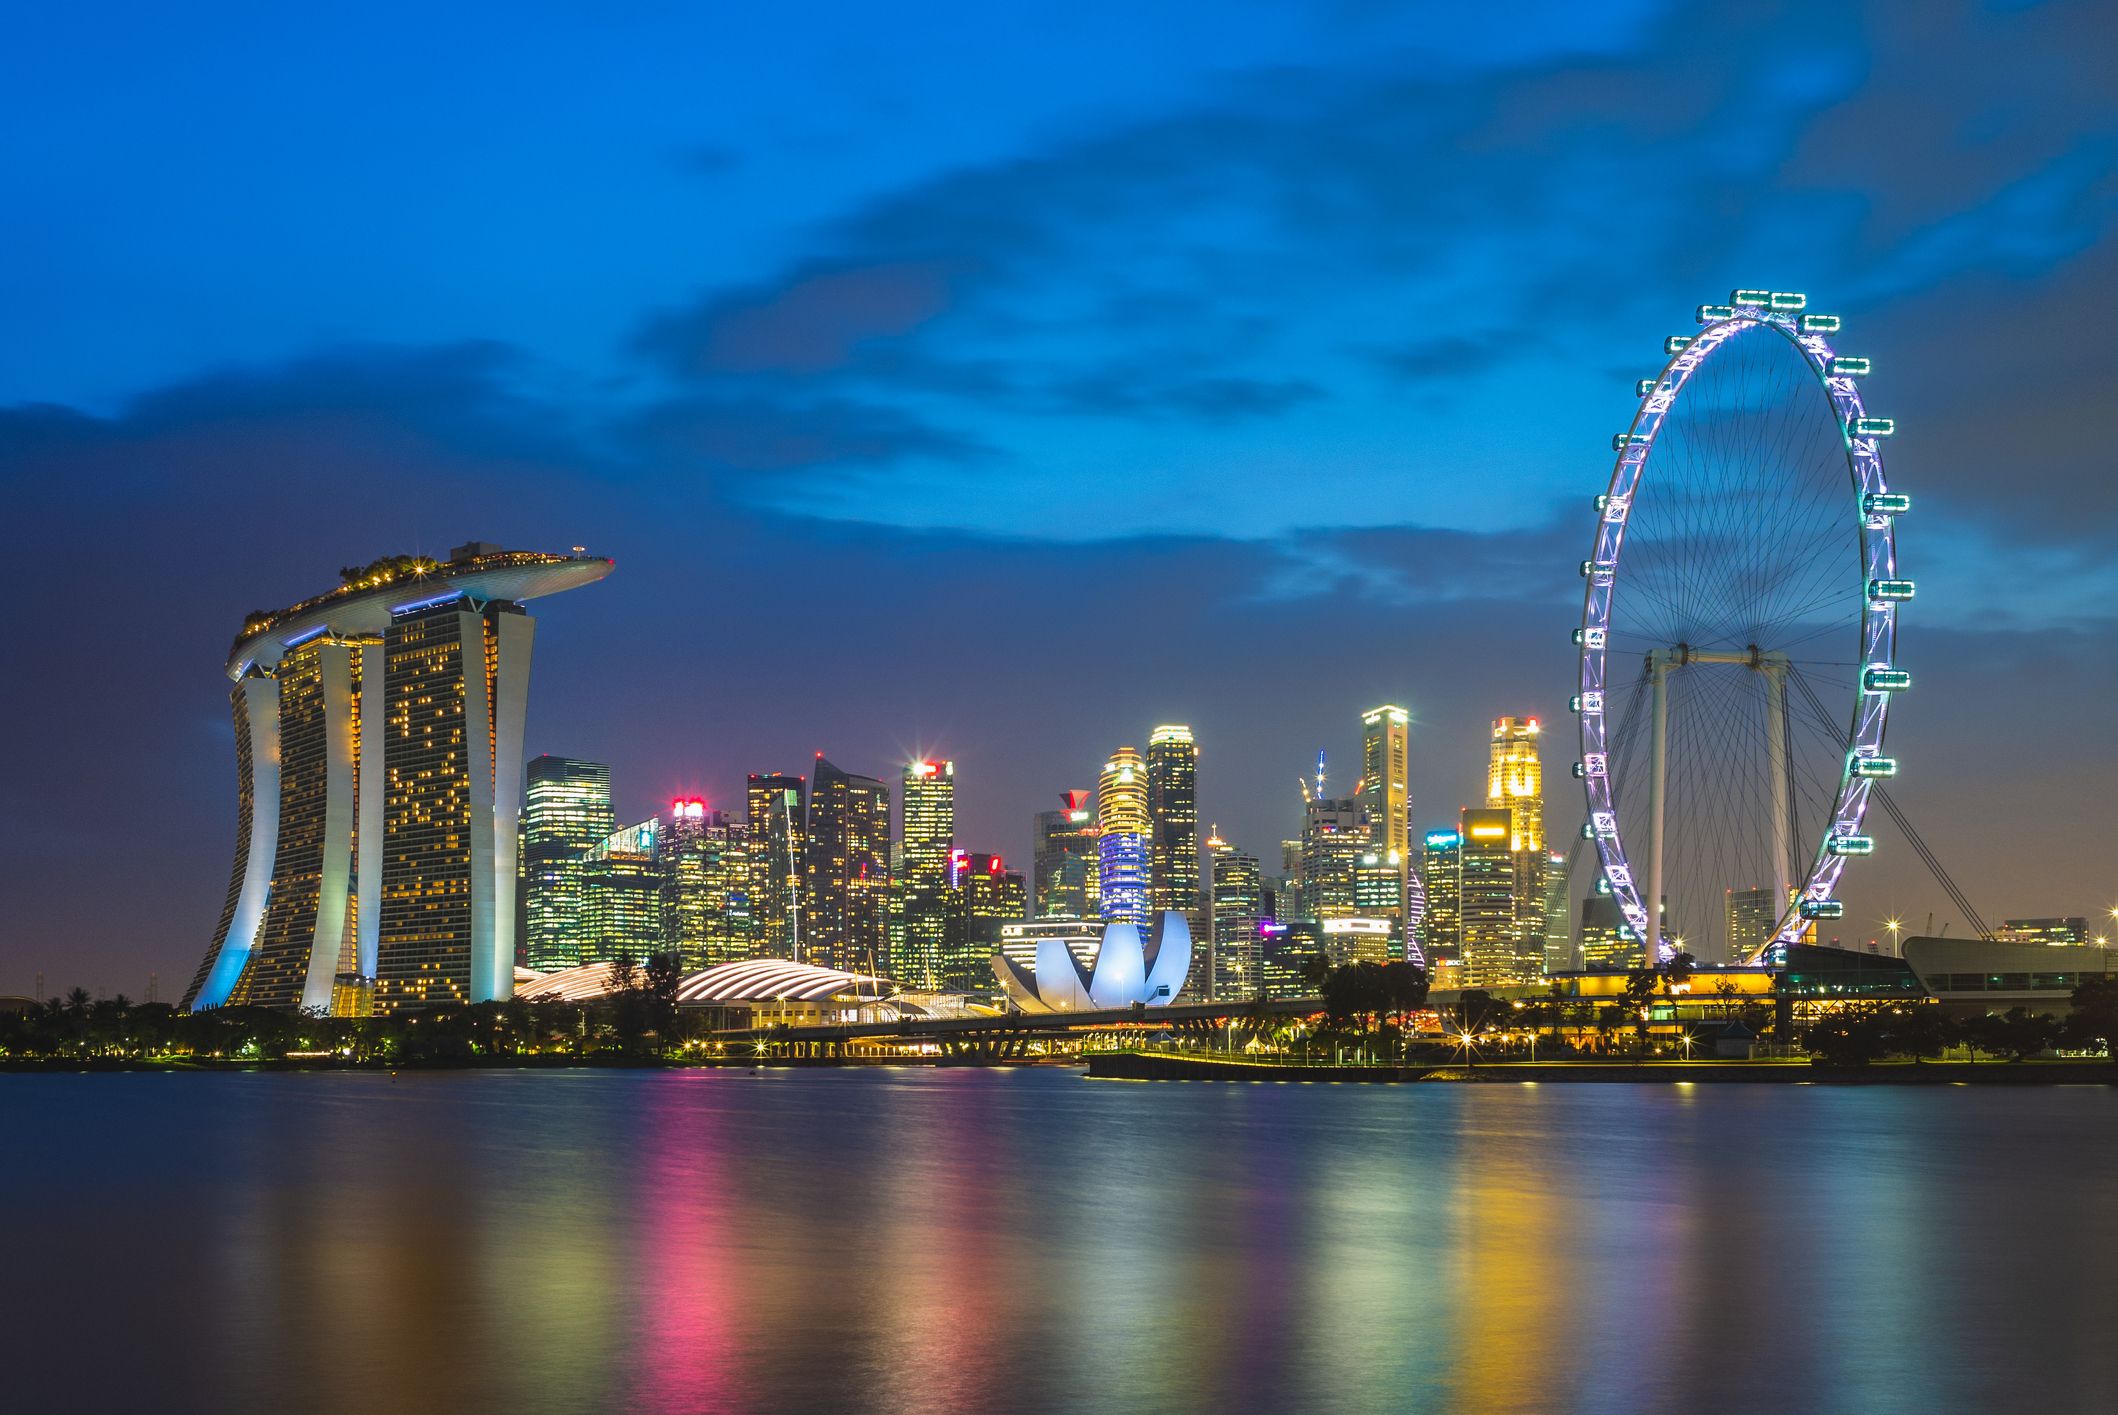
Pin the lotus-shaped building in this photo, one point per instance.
(1128, 970)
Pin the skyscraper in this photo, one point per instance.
(622, 889)
(1441, 872)
(848, 870)
(1607, 941)
(1750, 917)
(991, 895)
(929, 835)
(1238, 905)
(1064, 861)
(1123, 844)
(706, 880)
(379, 731)
(1558, 920)
(1173, 811)
(1334, 837)
(1492, 952)
(566, 813)
(1515, 781)
(777, 829)
(1385, 791)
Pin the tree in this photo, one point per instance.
(2019, 1033)
(2094, 1020)
(1850, 1036)
(1920, 1031)
(663, 974)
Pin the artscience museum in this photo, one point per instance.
(1127, 970)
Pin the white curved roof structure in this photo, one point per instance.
(1123, 975)
(584, 982)
(778, 980)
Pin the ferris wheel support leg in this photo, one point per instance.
(1657, 801)
(1774, 667)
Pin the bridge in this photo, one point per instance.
(1006, 1036)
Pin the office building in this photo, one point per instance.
(1064, 862)
(1334, 837)
(2057, 932)
(1385, 792)
(1515, 782)
(928, 833)
(1749, 917)
(990, 896)
(1441, 873)
(848, 871)
(1491, 941)
(1558, 917)
(706, 881)
(1124, 850)
(776, 822)
(1173, 815)
(566, 813)
(1607, 940)
(622, 896)
(1238, 897)
(379, 748)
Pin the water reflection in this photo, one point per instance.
(914, 1240)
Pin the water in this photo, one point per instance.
(916, 1240)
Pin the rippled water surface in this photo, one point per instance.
(919, 1240)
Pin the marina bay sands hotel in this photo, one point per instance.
(378, 745)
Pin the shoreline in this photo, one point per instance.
(1157, 1066)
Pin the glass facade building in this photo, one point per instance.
(566, 813)
(1124, 844)
(1064, 863)
(1238, 906)
(1173, 814)
(929, 840)
(1491, 939)
(1385, 792)
(773, 806)
(1441, 875)
(848, 870)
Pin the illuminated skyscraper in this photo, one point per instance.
(991, 895)
(1492, 950)
(848, 870)
(567, 813)
(1441, 872)
(380, 736)
(1515, 781)
(622, 888)
(929, 835)
(1173, 811)
(706, 881)
(1385, 789)
(1558, 920)
(1751, 915)
(1334, 837)
(1065, 859)
(1238, 905)
(1607, 941)
(1123, 848)
(778, 833)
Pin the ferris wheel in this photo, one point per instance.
(1738, 635)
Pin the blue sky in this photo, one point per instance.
(1063, 369)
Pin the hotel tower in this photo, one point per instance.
(378, 746)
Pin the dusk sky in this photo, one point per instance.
(998, 381)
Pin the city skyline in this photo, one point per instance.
(971, 396)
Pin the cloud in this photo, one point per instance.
(754, 435)
(1488, 238)
(812, 321)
